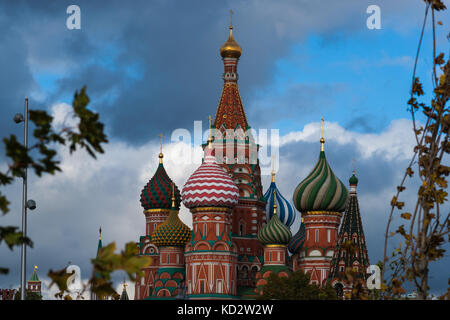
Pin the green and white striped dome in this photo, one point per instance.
(275, 232)
(321, 190)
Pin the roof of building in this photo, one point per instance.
(321, 190)
(210, 185)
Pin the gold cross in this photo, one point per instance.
(161, 137)
(210, 133)
(322, 126)
(231, 17)
(124, 284)
(354, 165)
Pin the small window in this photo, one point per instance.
(317, 235)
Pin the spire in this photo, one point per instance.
(161, 156)
(34, 276)
(230, 49)
(275, 201)
(124, 295)
(322, 140)
(273, 168)
(230, 112)
(173, 196)
(351, 241)
(210, 138)
(99, 240)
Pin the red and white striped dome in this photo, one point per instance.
(210, 186)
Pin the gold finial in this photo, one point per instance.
(100, 233)
(124, 284)
(322, 140)
(35, 267)
(354, 165)
(173, 195)
(302, 219)
(275, 201)
(161, 156)
(210, 139)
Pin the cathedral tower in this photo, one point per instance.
(274, 236)
(237, 152)
(170, 237)
(157, 204)
(211, 257)
(320, 197)
(351, 250)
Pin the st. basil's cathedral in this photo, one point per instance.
(241, 235)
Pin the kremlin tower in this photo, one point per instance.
(34, 284)
(351, 251)
(320, 197)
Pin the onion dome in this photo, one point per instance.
(230, 49)
(172, 232)
(286, 212)
(210, 185)
(298, 240)
(321, 190)
(274, 232)
(157, 193)
(353, 179)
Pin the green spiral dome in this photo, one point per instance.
(172, 232)
(274, 232)
(321, 190)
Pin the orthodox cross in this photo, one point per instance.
(161, 137)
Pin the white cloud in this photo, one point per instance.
(396, 142)
(89, 193)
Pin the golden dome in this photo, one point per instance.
(230, 49)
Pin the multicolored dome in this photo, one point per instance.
(172, 232)
(157, 193)
(274, 232)
(210, 185)
(321, 190)
(286, 212)
(298, 240)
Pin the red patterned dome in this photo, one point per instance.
(210, 186)
(157, 192)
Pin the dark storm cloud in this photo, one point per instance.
(172, 46)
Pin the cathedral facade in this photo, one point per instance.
(241, 235)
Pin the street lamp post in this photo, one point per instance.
(31, 204)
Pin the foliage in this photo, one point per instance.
(424, 229)
(88, 134)
(295, 287)
(104, 265)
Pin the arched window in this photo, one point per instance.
(317, 235)
(244, 272)
(329, 235)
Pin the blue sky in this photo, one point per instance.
(153, 66)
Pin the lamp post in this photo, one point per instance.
(31, 204)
